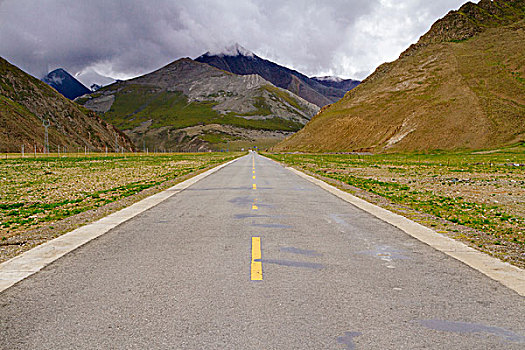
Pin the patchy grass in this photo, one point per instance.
(135, 104)
(282, 95)
(481, 191)
(42, 191)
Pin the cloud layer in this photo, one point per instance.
(126, 38)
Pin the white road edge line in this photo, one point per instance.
(510, 276)
(32, 261)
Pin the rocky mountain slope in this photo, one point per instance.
(65, 83)
(238, 60)
(189, 105)
(26, 101)
(461, 86)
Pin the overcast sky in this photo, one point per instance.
(126, 38)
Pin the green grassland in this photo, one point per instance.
(41, 191)
(481, 191)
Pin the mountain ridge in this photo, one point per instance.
(238, 60)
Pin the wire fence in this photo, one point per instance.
(75, 152)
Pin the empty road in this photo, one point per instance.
(255, 257)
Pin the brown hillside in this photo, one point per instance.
(25, 101)
(462, 86)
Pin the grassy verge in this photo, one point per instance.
(475, 197)
(42, 192)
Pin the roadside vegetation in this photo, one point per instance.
(38, 193)
(477, 197)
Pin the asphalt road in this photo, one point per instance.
(187, 274)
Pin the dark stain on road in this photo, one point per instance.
(272, 225)
(246, 216)
(348, 339)
(242, 201)
(247, 201)
(299, 251)
(290, 263)
(465, 327)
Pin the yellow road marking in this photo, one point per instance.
(253, 177)
(256, 270)
(254, 171)
(254, 207)
(254, 186)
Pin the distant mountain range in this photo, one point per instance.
(238, 60)
(192, 106)
(25, 102)
(461, 86)
(65, 83)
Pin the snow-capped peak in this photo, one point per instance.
(232, 50)
(329, 78)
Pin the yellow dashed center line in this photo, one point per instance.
(256, 270)
(256, 266)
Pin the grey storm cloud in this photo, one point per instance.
(126, 38)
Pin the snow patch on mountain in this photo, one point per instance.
(56, 79)
(329, 78)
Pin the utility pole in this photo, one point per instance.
(46, 124)
(22, 151)
(116, 144)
